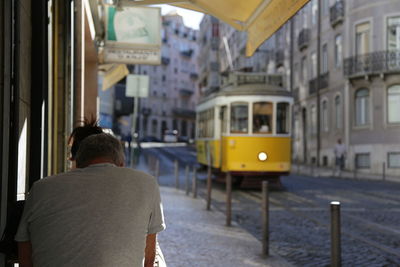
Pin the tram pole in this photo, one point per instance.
(209, 184)
(265, 219)
(228, 198)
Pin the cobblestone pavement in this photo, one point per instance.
(300, 218)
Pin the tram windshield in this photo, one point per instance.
(282, 118)
(262, 117)
(239, 117)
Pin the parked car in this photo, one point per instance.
(170, 136)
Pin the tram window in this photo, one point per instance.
(210, 123)
(239, 117)
(282, 118)
(224, 119)
(262, 117)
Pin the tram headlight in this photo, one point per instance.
(262, 156)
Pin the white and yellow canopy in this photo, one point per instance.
(260, 18)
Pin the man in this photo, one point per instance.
(99, 214)
(340, 154)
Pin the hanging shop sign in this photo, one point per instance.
(133, 35)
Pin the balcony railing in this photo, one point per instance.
(323, 83)
(185, 92)
(194, 75)
(372, 63)
(165, 60)
(187, 53)
(184, 113)
(279, 58)
(304, 39)
(337, 13)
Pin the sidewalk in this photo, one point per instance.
(346, 174)
(196, 237)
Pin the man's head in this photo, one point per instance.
(79, 133)
(339, 141)
(99, 148)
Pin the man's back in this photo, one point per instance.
(96, 216)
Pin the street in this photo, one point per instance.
(300, 213)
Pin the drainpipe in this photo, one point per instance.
(318, 82)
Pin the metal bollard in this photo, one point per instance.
(157, 174)
(176, 174)
(265, 219)
(194, 182)
(383, 171)
(209, 186)
(336, 260)
(228, 198)
(187, 179)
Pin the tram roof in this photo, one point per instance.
(257, 84)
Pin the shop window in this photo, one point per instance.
(363, 161)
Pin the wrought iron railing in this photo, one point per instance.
(372, 63)
(323, 83)
(185, 92)
(337, 13)
(304, 38)
(165, 60)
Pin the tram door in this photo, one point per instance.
(223, 121)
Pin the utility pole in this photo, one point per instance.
(318, 82)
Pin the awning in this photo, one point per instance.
(260, 18)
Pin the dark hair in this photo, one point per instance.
(85, 129)
(100, 146)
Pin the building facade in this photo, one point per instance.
(354, 49)
(173, 85)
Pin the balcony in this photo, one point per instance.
(184, 113)
(279, 58)
(379, 62)
(165, 61)
(185, 92)
(337, 13)
(323, 83)
(194, 76)
(304, 39)
(187, 53)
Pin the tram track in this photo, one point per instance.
(358, 221)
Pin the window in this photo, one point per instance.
(224, 119)
(262, 117)
(338, 51)
(296, 75)
(362, 161)
(239, 117)
(325, 58)
(393, 32)
(313, 65)
(393, 104)
(325, 116)
(304, 69)
(282, 118)
(362, 107)
(154, 127)
(394, 160)
(313, 120)
(338, 113)
(325, 7)
(314, 10)
(362, 38)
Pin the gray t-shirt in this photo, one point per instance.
(96, 216)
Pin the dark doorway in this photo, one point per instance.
(304, 119)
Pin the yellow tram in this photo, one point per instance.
(245, 128)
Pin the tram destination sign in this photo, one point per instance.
(133, 35)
